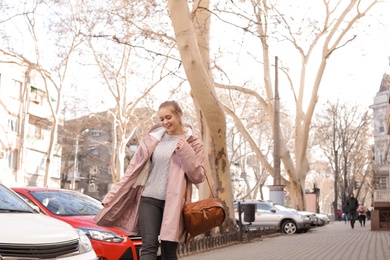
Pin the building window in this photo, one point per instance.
(36, 96)
(38, 133)
(12, 124)
(10, 157)
(15, 92)
(133, 148)
(95, 151)
(36, 162)
(55, 166)
(381, 182)
(96, 131)
(381, 129)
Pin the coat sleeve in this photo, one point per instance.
(140, 155)
(193, 161)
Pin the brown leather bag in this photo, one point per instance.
(203, 215)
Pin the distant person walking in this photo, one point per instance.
(352, 205)
(368, 215)
(339, 214)
(346, 214)
(362, 214)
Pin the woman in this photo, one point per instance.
(149, 198)
(362, 211)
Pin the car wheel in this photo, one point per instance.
(289, 227)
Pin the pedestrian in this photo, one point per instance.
(368, 215)
(346, 214)
(362, 214)
(148, 201)
(352, 205)
(339, 214)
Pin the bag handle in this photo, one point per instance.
(208, 182)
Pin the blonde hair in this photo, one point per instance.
(175, 108)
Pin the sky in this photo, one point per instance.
(353, 73)
(355, 76)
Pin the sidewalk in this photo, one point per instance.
(333, 241)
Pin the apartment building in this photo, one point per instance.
(88, 143)
(381, 168)
(25, 124)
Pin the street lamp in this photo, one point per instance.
(75, 168)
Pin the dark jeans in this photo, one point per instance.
(150, 218)
(352, 215)
(362, 220)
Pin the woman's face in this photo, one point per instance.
(170, 121)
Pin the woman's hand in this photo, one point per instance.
(181, 143)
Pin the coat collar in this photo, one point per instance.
(157, 131)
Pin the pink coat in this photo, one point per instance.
(122, 201)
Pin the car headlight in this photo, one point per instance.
(103, 235)
(85, 243)
(304, 216)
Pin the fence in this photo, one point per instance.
(203, 244)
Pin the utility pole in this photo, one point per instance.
(277, 180)
(276, 190)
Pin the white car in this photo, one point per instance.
(27, 234)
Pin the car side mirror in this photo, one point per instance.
(273, 210)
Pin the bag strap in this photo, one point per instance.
(208, 182)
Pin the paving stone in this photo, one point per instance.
(334, 241)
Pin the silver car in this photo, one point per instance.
(273, 216)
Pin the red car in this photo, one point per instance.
(78, 210)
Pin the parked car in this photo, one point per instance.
(314, 220)
(325, 218)
(317, 220)
(78, 210)
(274, 216)
(27, 234)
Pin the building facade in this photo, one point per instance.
(88, 144)
(381, 167)
(25, 124)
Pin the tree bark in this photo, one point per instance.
(211, 115)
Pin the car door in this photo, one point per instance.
(264, 216)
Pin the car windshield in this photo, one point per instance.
(281, 208)
(11, 203)
(63, 203)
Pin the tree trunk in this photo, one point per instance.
(212, 117)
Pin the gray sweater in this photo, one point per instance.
(156, 185)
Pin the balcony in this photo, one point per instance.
(382, 196)
(40, 111)
(380, 216)
(381, 199)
